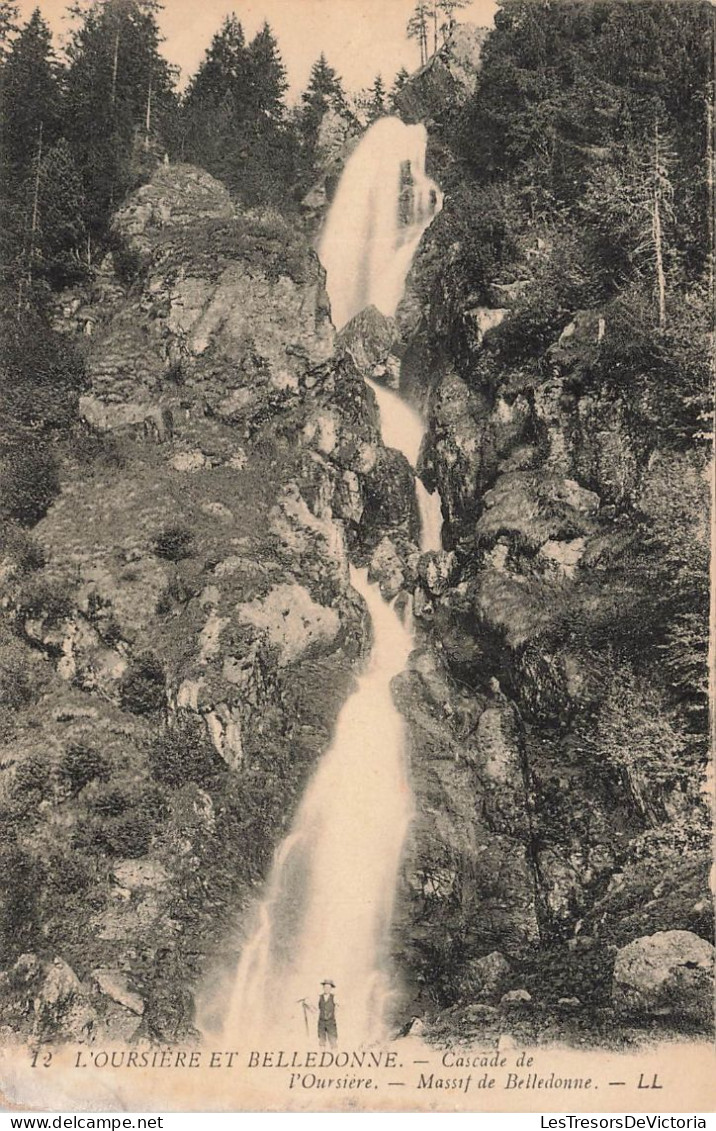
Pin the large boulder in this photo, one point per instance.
(486, 977)
(447, 79)
(292, 620)
(390, 498)
(452, 458)
(667, 974)
(204, 281)
(368, 340)
(388, 568)
(178, 196)
(40, 998)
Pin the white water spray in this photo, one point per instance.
(383, 204)
(329, 900)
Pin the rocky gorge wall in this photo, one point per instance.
(561, 818)
(560, 854)
(186, 628)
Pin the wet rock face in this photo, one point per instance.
(469, 888)
(337, 136)
(390, 500)
(666, 974)
(368, 340)
(452, 461)
(393, 565)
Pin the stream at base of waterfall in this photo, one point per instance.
(328, 903)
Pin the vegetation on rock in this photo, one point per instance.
(563, 295)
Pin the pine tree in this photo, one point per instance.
(235, 116)
(267, 78)
(119, 99)
(263, 168)
(8, 27)
(377, 102)
(216, 100)
(630, 204)
(30, 97)
(398, 83)
(61, 232)
(449, 8)
(223, 73)
(324, 92)
(417, 27)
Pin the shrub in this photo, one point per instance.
(41, 375)
(127, 835)
(129, 263)
(184, 753)
(151, 800)
(81, 764)
(178, 592)
(142, 689)
(556, 972)
(110, 803)
(68, 874)
(110, 630)
(96, 448)
(46, 600)
(22, 549)
(19, 917)
(174, 543)
(175, 373)
(32, 775)
(21, 682)
(146, 798)
(29, 484)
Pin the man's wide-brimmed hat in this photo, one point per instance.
(328, 982)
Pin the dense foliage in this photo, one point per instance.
(81, 131)
(234, 117)
(583, 166)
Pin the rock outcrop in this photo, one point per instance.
(447, 79)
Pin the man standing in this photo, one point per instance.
(327, 1030)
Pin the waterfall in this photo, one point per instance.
(328, 905)
(402, 428)
(329, 901)
(383, 204)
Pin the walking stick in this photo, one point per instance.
(306, 1007)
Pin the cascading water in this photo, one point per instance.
(329, 900)
(402, 428)
(383, 204)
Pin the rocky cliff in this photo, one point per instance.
(559, 769)
(183, 633)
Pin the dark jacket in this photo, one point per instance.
(327, 1008)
